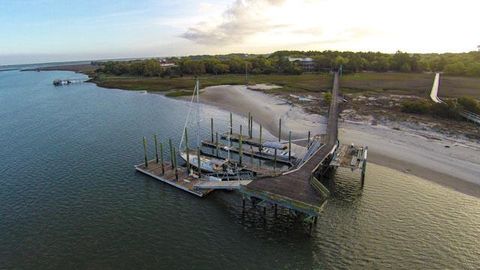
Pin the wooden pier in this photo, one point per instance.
(168, 176)
(299, 189)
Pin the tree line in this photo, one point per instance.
(456, 64)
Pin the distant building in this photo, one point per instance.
(165, 64)
(307, 63)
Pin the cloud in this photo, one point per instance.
(243, 19)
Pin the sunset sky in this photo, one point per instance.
(47, 30)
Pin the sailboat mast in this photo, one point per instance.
(197, 86)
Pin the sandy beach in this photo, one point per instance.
(450, 162)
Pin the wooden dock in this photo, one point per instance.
(299, 189)
(184, 182)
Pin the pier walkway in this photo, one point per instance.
(295, 189)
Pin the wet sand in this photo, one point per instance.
(266, 110)
(456, 166)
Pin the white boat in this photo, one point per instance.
(211, 165)
(280, 153)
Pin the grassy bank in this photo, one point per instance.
(294, 83)
(417, 84)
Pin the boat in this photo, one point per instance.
(211, 165)
(207, 164)
(281, 154)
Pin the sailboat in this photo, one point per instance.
(207, 164)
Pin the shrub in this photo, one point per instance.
(327, 97)
(416, 106)
(469, 104)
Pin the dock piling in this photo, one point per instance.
(364, 168)
(211, 127)
(290, 145)
(260, 140)
(145, 151)
(171, 151)
(175, 163)
(279, 129)
(216, 143)
(156, 147)
(161, 158)
(231, 124)
(275, 160)
(249, 124)
(308, 139)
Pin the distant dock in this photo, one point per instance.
(59, 82)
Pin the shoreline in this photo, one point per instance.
(407, 151)
(263, 106)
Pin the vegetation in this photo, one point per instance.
(469, 104)
(449, 109)
(293, 83)
(327, 97)
(455, 64)
(178, 93)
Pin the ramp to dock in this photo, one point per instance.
(293, 189)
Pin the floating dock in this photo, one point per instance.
(181, 180)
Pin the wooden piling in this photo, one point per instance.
(251, 126)
(161, 158)
(308, 140)
(187, 150)
(171, 151)
(156, 147)
(231, 124)
(199, 163)
(260, 140)
(364, 168)
(279, 129)
(275, 160)
(216, 143)
(145, 151)
(249, 119)
(290, 145)
(211, 127)
(175, 163)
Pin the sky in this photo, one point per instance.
(34, 31)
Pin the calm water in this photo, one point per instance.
(70, 199)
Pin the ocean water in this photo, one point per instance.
(70, 198)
